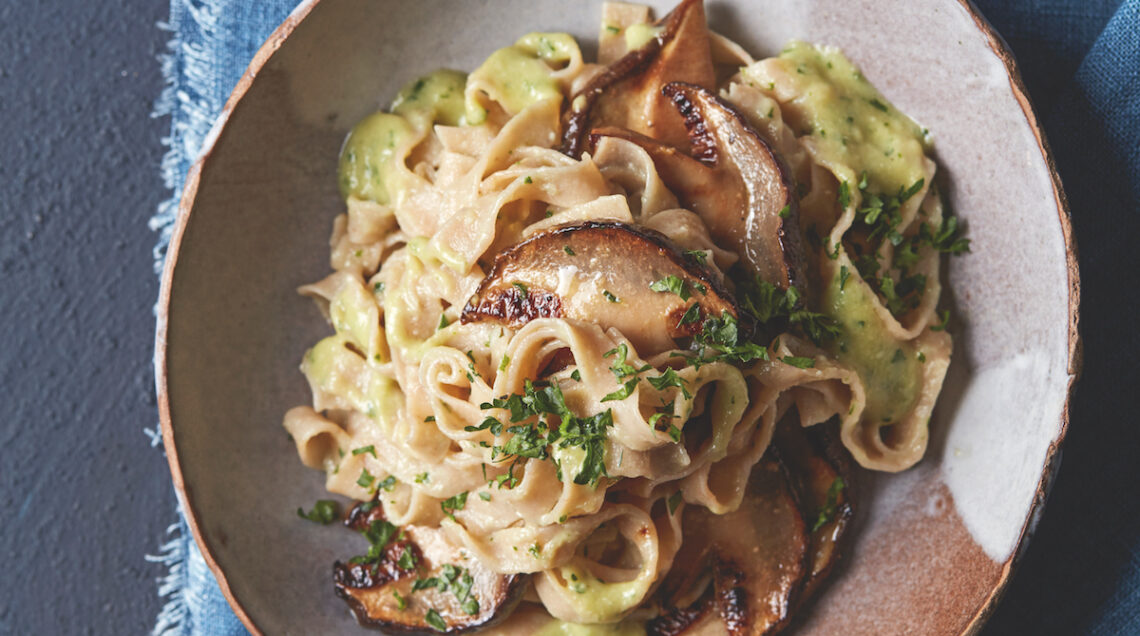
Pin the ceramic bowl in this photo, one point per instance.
(935, 545)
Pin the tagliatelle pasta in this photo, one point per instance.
(562, 451)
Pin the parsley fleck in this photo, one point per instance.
(671, 283)
(798, 361)
(443, 322)
(566, 248)
(430, 418)
(786, 211)
(535, 550)
(365, 480)
(827, 512)
(407, 560)
(844, 195)
(521, 287)
(691, 315)
(504, 362)
(485, 496)
(401, 602)
(433, 619)
(698, 255)
(388, 483)
(324, 512)
(624, 391)
(576, 375)
(609, 296)
(844, 274)
(880, 105)
(365, 449)
(670, 378)
(945, 319)
(422, 478)
(528, 180)
(453, 504)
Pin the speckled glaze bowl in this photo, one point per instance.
(935, 545)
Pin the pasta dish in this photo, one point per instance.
(610, 338)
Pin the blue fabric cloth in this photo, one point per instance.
(1081, 62)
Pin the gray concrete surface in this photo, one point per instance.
(83, 495)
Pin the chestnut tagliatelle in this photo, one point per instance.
(609, 337)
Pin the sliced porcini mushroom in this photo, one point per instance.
(628, 92)
(388, 591)
(608, 273)
(817, 460)
(734, 180)
(743, 571)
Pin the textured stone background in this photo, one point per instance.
(82, 494)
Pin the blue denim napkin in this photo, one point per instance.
(1081, 62)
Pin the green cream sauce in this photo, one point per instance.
(562, 628)
(851, 123)
(889, 368)
(637, 35)
(521, 74)
(370, 155)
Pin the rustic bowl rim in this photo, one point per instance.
(266, 52)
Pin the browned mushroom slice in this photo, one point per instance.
(628, 92)
(754, 560)
(734, 181)
(816, 459)
(417, 582)
(611, 274)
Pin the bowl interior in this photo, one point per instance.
(939, 537)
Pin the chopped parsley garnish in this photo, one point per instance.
(443, 322)
(785, 211)
(365, 449)
(528, 180)
(378, 533)
(401, 602)
(798, 361)
(624, 391)
(699, 256)
(388, 483)
(485, 496)
(435, 621)
(827, 512)
(774, 310)
(844, 274)
(691, 315)
(671, 283)
(324, 512)
(535, 550)
(504, 362)
(670, 378)
(422, 478)
(880, 105)
(610, 297)
(566, 248)
(944, 318)
(532, 432)
(521, 287)
(453, 504)
(365, 480)
(576, 375)
(407, 560)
